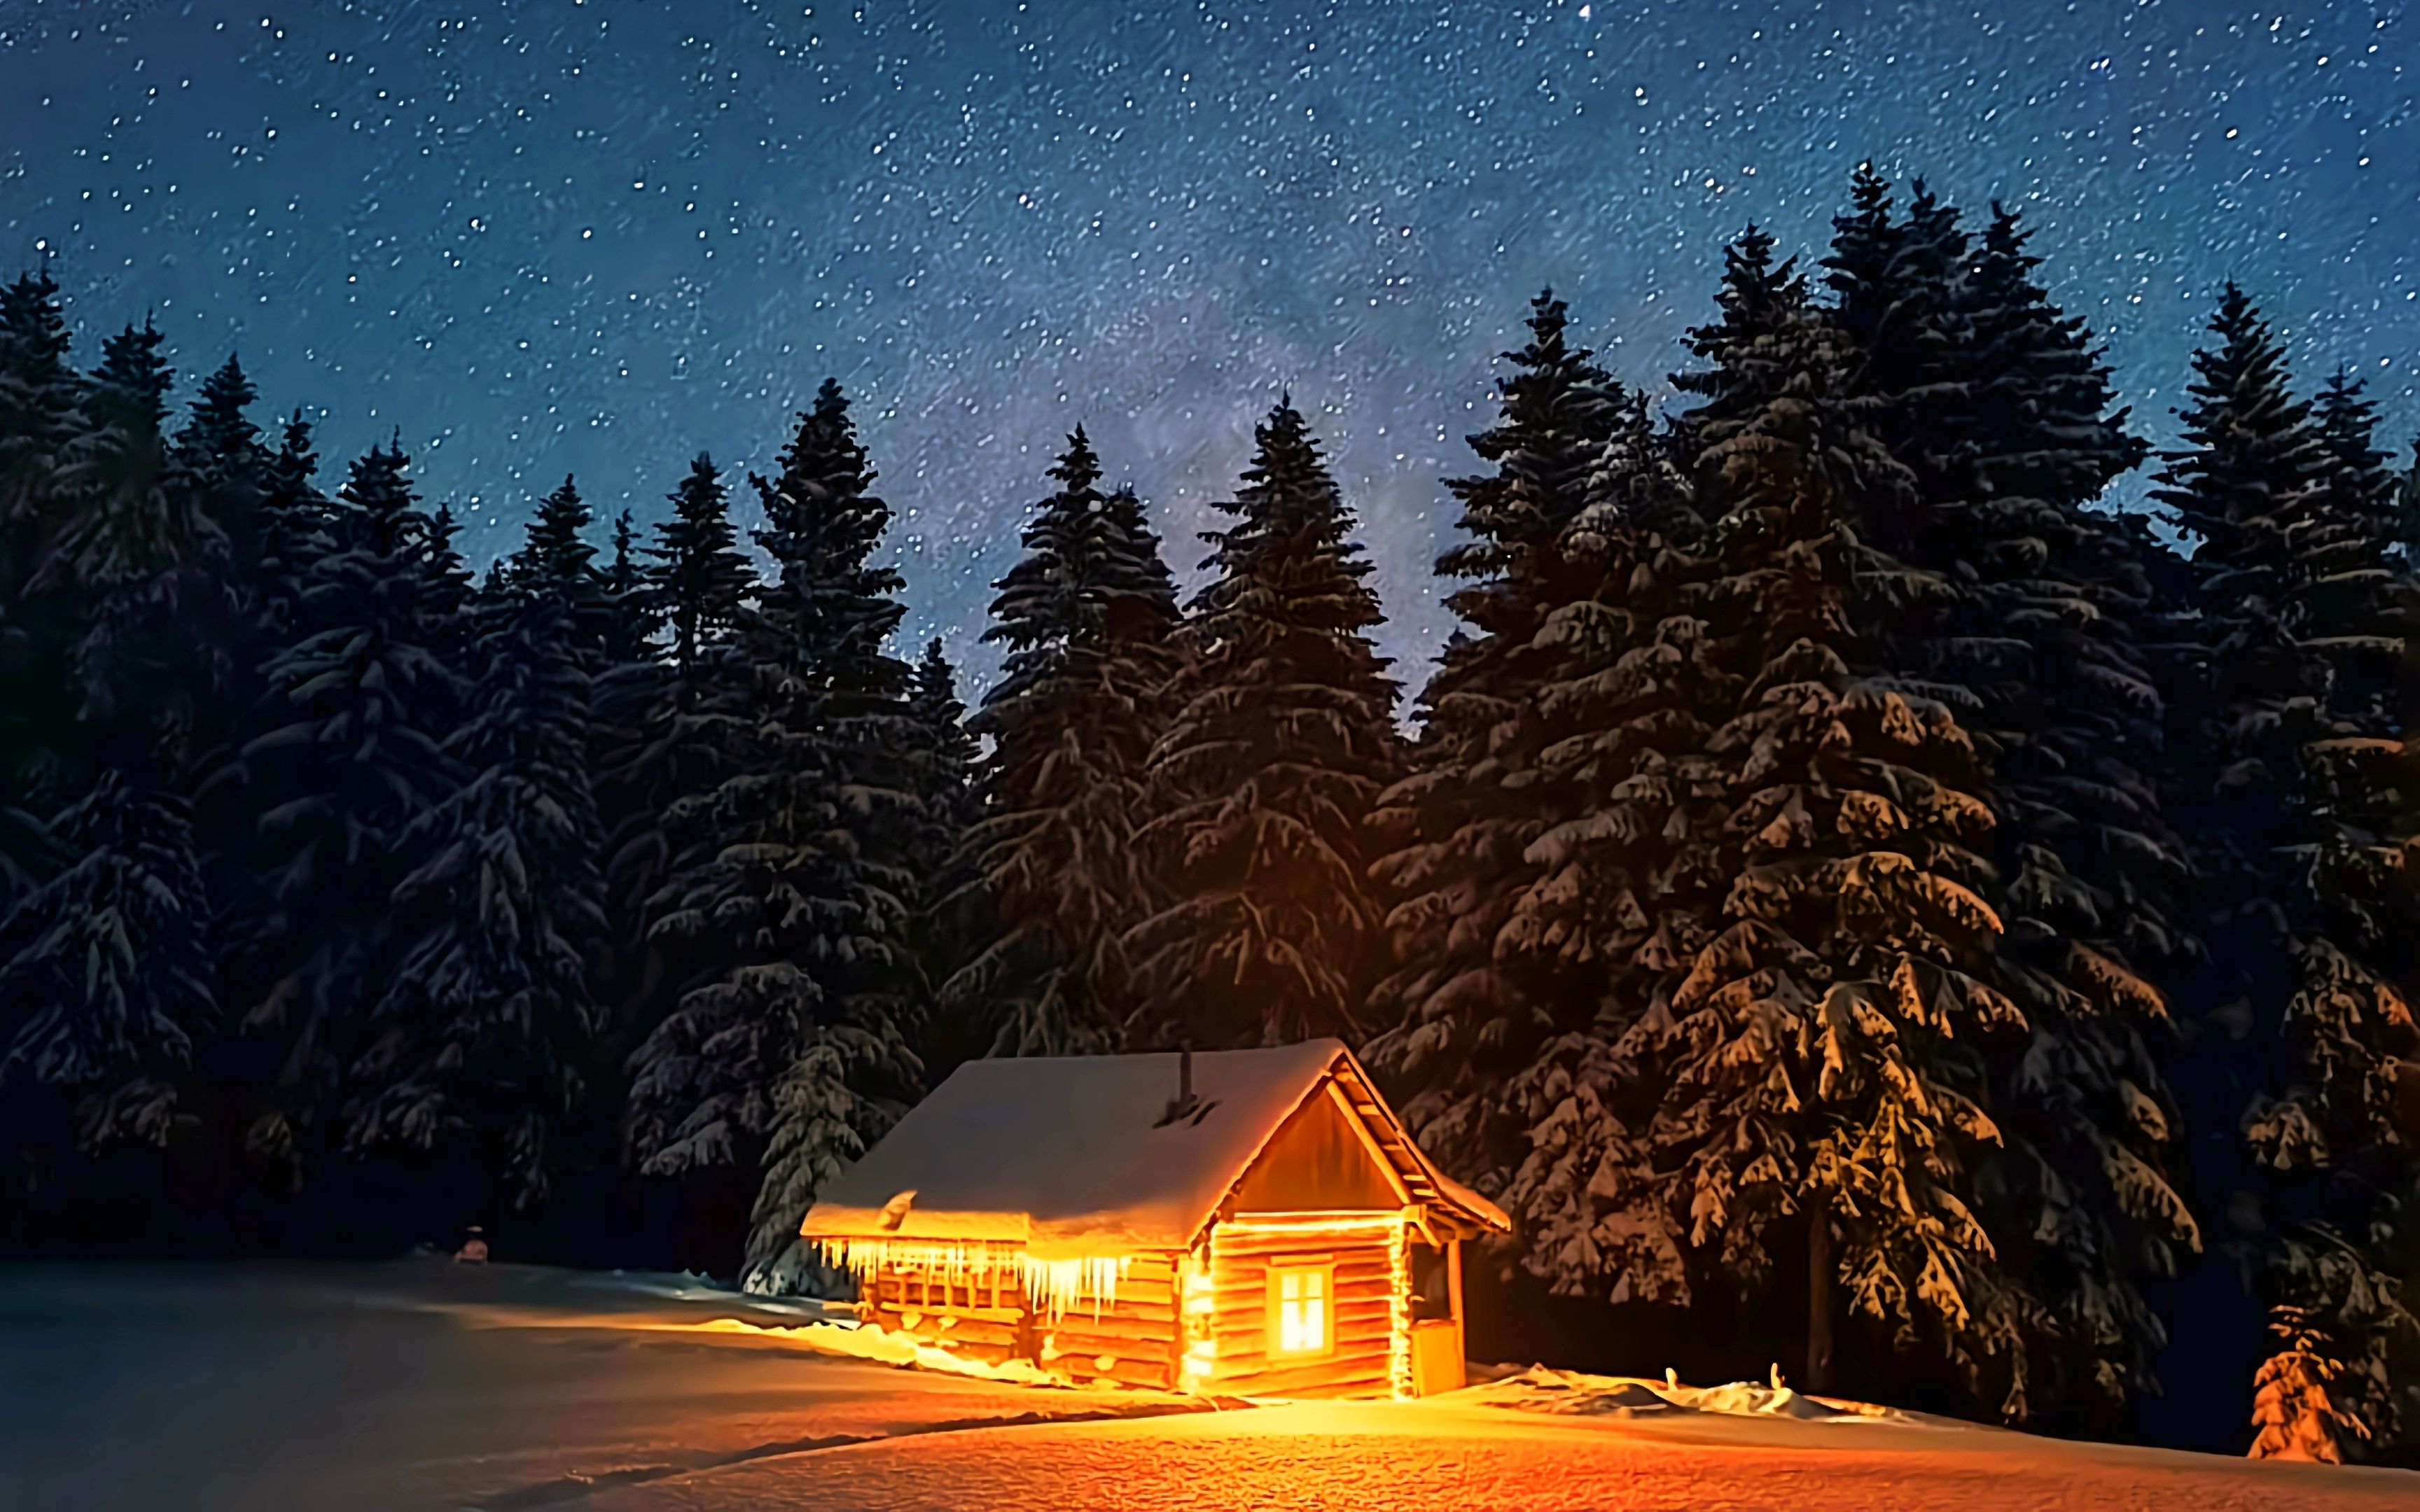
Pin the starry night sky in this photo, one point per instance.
(597, 235)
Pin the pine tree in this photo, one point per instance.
(945, 754)
(41, 396)
(219, 462)
(1629, 690)
(555, 558)
(349, 760)
(1461, 1015)
(485, 1011)
(939, 717)
(1825, 1090)
(1281, 738)
(851, 810)
(2309, 927)
(2349, 567)
(136, 556)
(1088, 616)
(105, 980)
(631, 623)
(2295, 1408)
(671, 723)
(788, 1050)
(2033, 610)
(294, 533)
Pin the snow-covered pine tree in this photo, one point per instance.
(294, 533)
(2352, 566)
(2292, 810)
(556, 555)
(849, 741)
(631, 624)
(218, 460)
(1088, 616)
(2295, 1415)
(136, 556)
(940, 932)
(1628, 692)
(786, 1052)
(2035, 609)
(939, 717)
(673, 720)
(348, 760)
(1827, 1096)
(105, 980)
(1282, 736)
(1458, 1018)
(485, 1011)
(452, 588)
(40, 393)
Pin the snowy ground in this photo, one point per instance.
(420, 1384)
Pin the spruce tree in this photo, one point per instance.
(2291, 805)
(849, 805)
(673, 722)
(1629, 690)
(556, 558)
(944, 757)
(294, 533)
(1461, 1015)
(631, 624)
(105, 981)
(41, 393)
(1282, 737)
(1088, 616)
(136, 556)
(1826, 1097)
(219, 461)
(349, 762)
(2294, 1408)
(2032, 612)
(485, 1011)
(786, 1052)
(2351, 563)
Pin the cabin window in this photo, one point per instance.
(1302, 1313)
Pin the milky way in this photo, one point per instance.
(596, 238)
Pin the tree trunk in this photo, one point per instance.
(1818, 1377)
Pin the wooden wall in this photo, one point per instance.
(1319, 1162)
(1131, 1341)
(1363, 1299)
(980, 1319)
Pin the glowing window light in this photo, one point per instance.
(1298, 1307)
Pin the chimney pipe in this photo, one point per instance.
(1184, 1104)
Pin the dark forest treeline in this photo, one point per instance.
(1848, 882)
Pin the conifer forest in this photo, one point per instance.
(1891, 874)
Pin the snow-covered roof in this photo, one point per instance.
(1068, 1155)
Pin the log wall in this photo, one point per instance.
(1361, 1363)
(1131, 1341)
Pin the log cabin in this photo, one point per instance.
(1247, 1222)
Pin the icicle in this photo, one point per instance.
(1053, 1286)
(1057, 1285)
